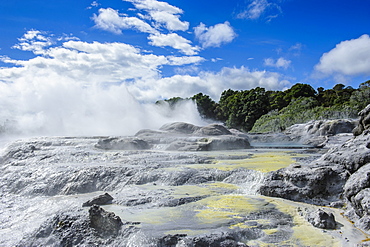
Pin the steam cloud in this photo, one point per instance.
(70, 108)
(80, 88)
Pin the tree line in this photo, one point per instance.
(241, 109)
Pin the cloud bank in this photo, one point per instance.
(348, 58)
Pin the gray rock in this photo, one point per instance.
(99, 200)
(364, 122)
(314, 132)
(148, 133)
(361, 202)
(363, 223)
(280, 138)
(186, 145)
(66, 229)
(180, 127)
(227, 143)
(179, 136)
(180, 201)
(340, 175)
(316, 184)
(352, 154)
(105, 223)
(116, 143)
(212, 130)
(224, 142)
(322, 219)
(170, 240)
(357, 182)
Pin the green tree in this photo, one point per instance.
(171, 101)
(242, 109)
(225, 104)
(365, 84)
(277, 100)
(299, 90)
(206, 106)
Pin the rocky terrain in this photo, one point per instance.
(340, 178)
(186, 185)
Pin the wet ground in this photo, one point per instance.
(159, 193)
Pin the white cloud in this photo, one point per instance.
(348, 58)
(93, 62)
(170, 21)
(258, 8)
(175, 41)
(110, 20)
(296, 47)
(186, 70)
(210, 83)
(215, 60)
(185, 60)
(163, 13)
(255, 9)
(155, 5)
(93, 4)
(214, 36)
(279, 63)
(34, 41)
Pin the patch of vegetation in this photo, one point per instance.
(258, 110)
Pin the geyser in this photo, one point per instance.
(48, 106)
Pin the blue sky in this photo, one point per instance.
(161, 49)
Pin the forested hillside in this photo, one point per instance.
(258, 110)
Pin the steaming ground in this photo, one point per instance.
(205, 196)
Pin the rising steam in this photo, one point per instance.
(70, 108)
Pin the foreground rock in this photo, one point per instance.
(105, 223)
(340, 176)
(322, 219)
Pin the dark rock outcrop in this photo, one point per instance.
(99, 200)
(322, 219)
(217, 240)
(105, 223)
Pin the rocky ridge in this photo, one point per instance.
(340, 177)
(179, 136)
